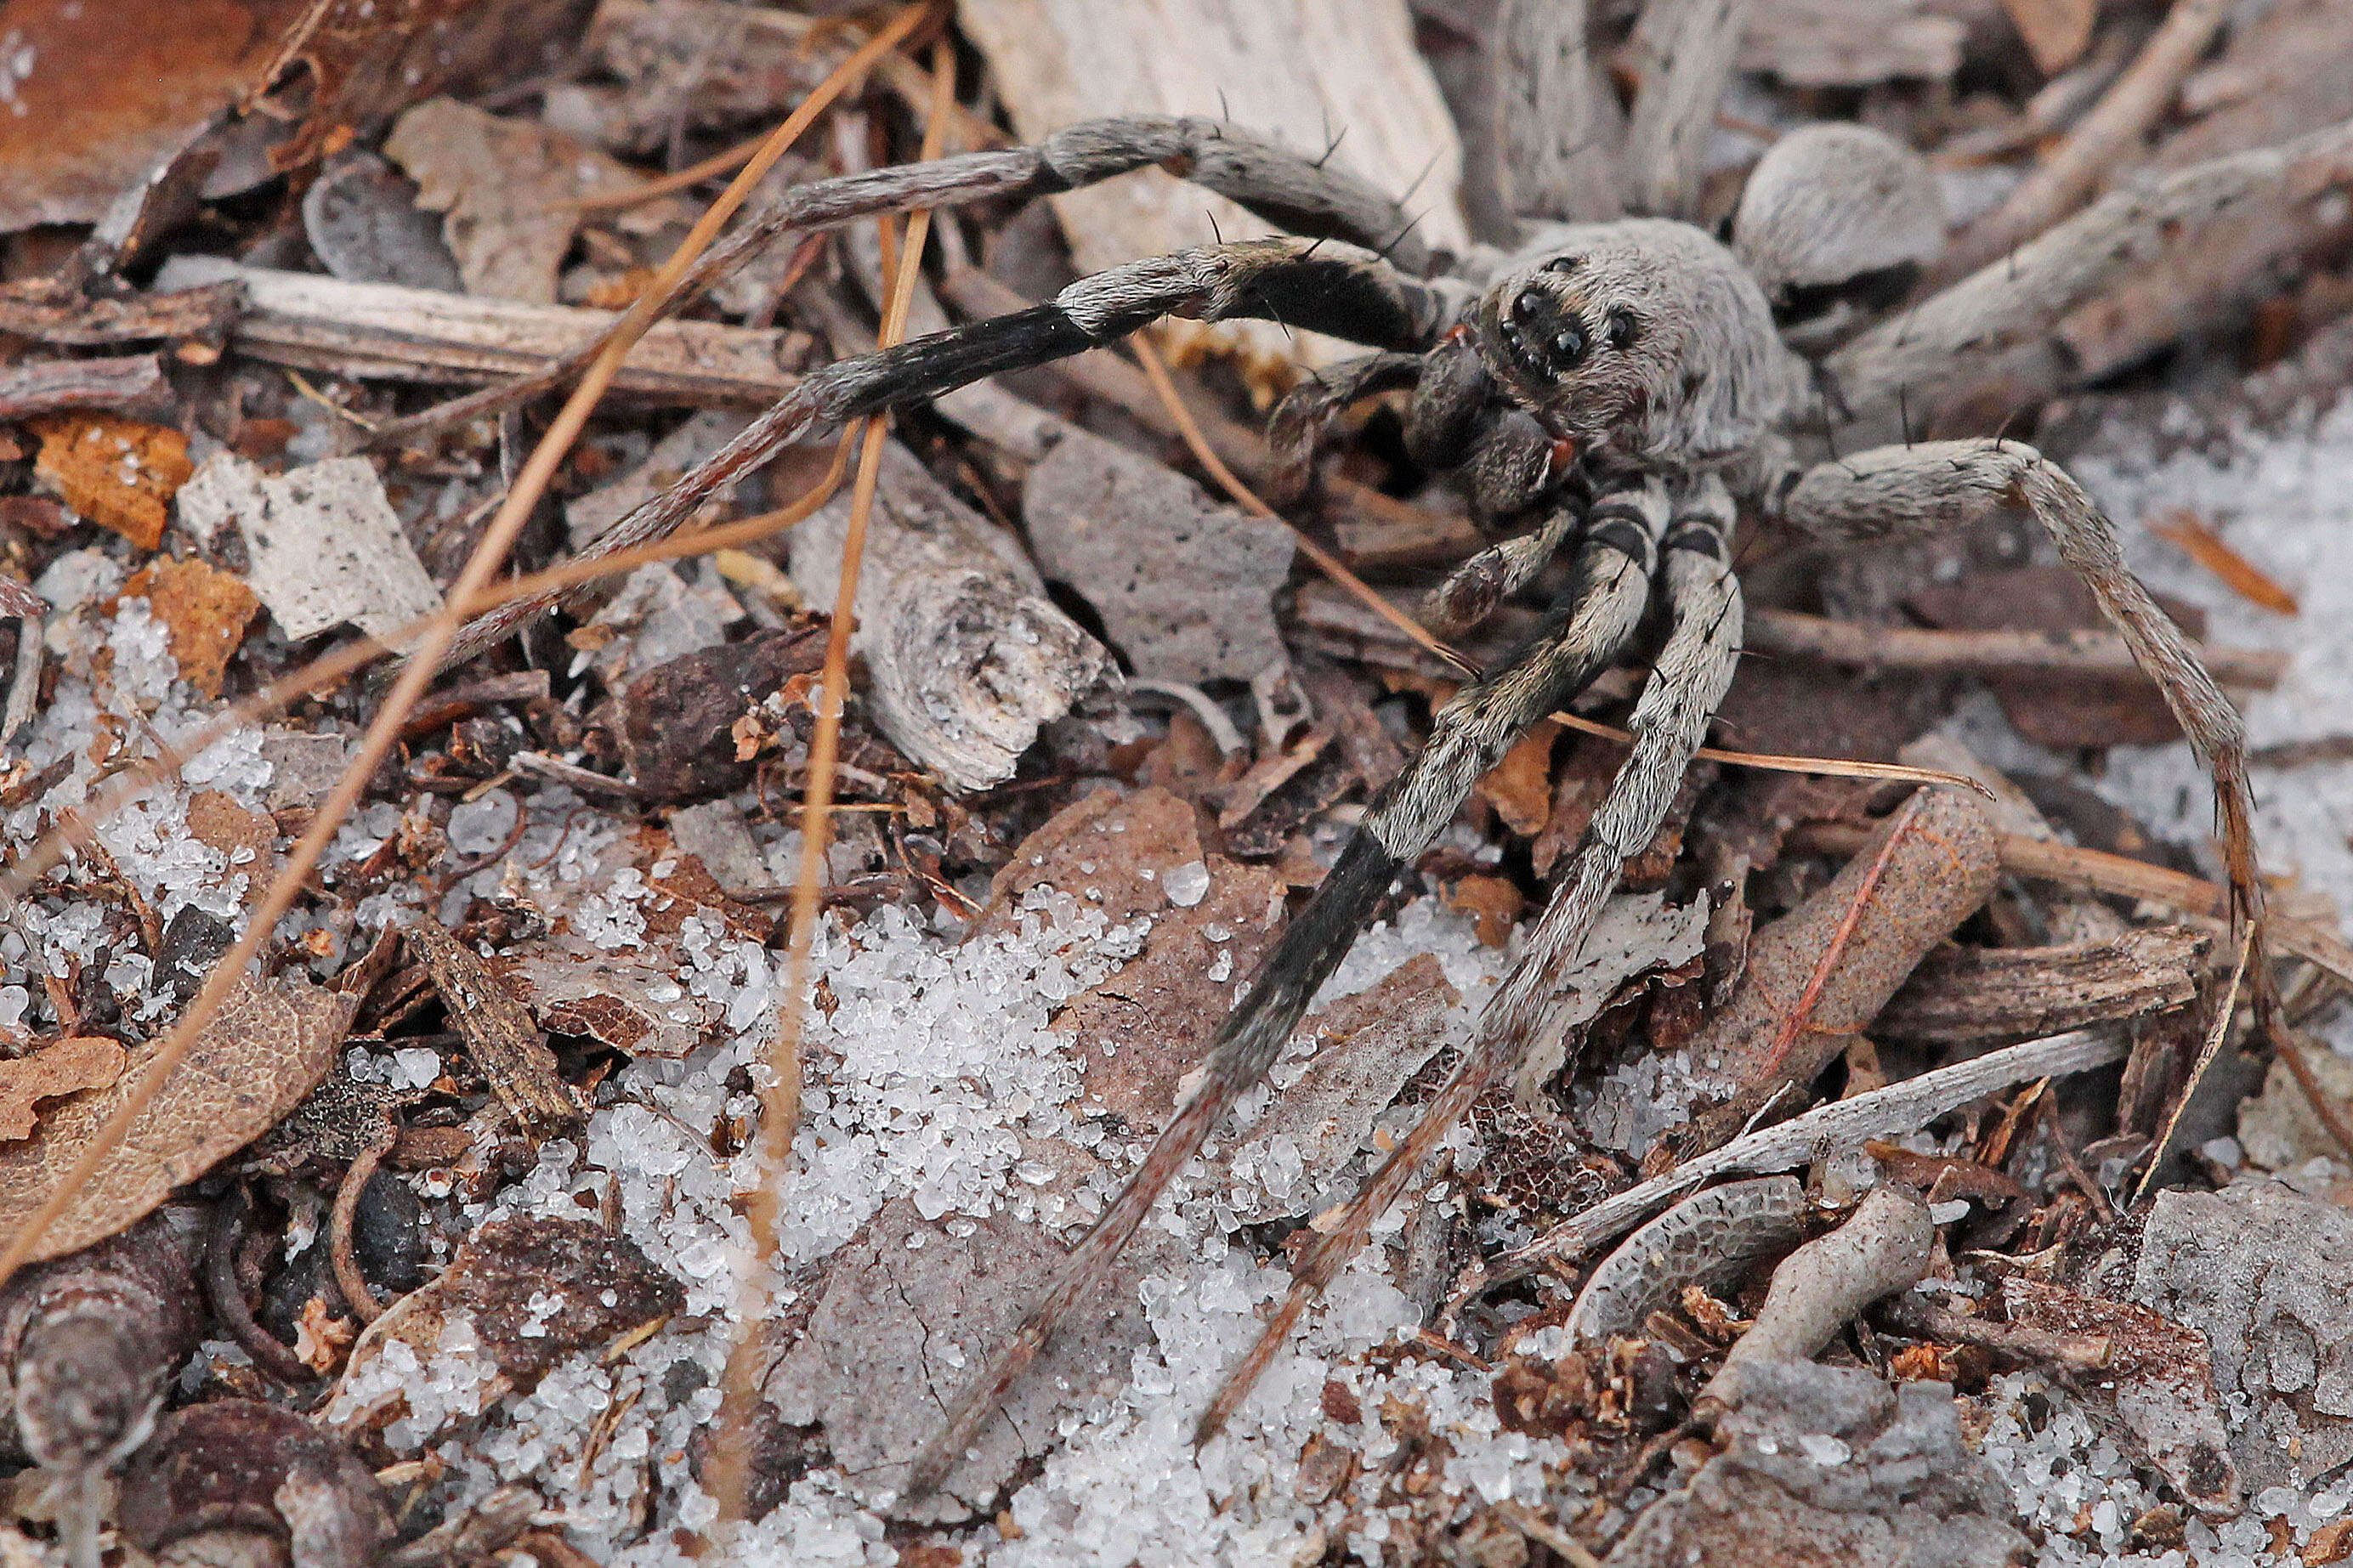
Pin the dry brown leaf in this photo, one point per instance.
(270, 1044)
(507, 189)
(117, 472)
(1519, 786)
(2238, 575)
(2056, 32)
(1494, 901)
(217, 822)
(207, 611)
(108, 88)
(61, 1068)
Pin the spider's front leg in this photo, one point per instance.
(1693, 670)
(1891, 491)
(1576, 643)
(1316, 285)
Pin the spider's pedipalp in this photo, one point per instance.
(1670, 721)
(1326, 288)
(1295, 432)
(1891, 491)
(1470, 734)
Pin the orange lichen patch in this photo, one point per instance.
(117, 472)
(206, 610)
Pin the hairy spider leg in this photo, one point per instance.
(1906, 492)
(1339, 290)
(1576, 643)
(1688, 681)
(1296, 194)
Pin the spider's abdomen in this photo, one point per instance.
(1642, 340)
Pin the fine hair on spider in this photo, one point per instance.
(1615, 392)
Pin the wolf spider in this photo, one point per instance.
(1616, 389)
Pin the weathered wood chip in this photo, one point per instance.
(500, 1034)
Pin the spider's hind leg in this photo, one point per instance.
(1670, 721)
(1472, 732)
(1907, 490)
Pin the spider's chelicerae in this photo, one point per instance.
(1619, 391)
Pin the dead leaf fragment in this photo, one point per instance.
(61, 1068)
(119, 473)
(507, 189)
(2056, 32)
(271, 1043)
(1519, 786)
(207, 611)
(527, 1292)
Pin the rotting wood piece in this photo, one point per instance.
(500, 1034)
(378, 331)
(1970, 994)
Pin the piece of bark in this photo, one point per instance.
(1840, 43)
(910, 1305)
(376, 330)
(207, 611)
(674, 724)
(1709, 1239)
(119, 473)
(1973, 995)
(2158, 1379)
(1290, 71)
(636, 1006)
(123, 383)
(231, 1465)
(527, 1293)
(326, 546)
(1823, 1465)
(1883, 1247)
(1936, 877)
(967, 659)
(500, 1034)
(2260, 1271)
(1186, 587)
(52, 311)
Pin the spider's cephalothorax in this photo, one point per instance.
(1610, 392)
(1643, 341)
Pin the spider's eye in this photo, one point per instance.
(1622, 329)
(1568, 345)
(1564, 264)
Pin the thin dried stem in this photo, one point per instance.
(780, 1100)
(384, 731)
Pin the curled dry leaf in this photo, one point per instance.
(117, 472)
(61, 1068)
(271, 1043)
(207, 611)
(520, 1297)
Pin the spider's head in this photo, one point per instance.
(1642, 341)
